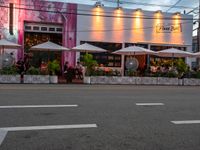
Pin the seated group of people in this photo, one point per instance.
(71, 72)
(163, 69)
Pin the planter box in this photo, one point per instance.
(167, 81)
(112, 80)
(191, 81)
(97, 80)
(36, 79)
(53, 79)
(10, 79)
(147, 80)
(180, 82)
(127, 80)
(123, 80)
(140, 80)
(86, 80)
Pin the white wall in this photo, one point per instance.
(113, 29)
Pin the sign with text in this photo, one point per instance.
(161, 28)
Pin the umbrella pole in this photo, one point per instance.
(122, 65)
(173, 60)
(48, 55)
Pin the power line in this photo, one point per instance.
(80, 10)
(192, 10)
(173, 5)
(108, 16)
(135, 3)
(151, 4)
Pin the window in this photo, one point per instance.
(51, 29)
(27, 27)
(36, 28)
(59, 29)
(107, 59)
(43, 28)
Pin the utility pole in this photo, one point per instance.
(118, 2)
(198, 37)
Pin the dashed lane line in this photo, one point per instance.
(186, 122)
(150, 104)
(36, 106)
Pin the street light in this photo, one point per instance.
(98, 4)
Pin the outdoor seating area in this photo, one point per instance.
(169, 63)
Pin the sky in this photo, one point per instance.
(127, 3)
(157, 5)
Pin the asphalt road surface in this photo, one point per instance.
(99, 117)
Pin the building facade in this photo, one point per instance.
(30, 22)
(36, 21)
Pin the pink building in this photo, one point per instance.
(30, 22)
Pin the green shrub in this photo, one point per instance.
(99, 72)
(157, 74)
(33, 71)
(9, 71)
(197, 75)
(90, 64)
(53, 67)
(132, 73)
(171, 74)
(181, 67)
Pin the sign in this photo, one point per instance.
(161, 28)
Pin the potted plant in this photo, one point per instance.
(9, 75)
(33, 75)
(53, 68)
(33, 71)
(90, 65)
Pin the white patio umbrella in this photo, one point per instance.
(173, 52)
(48, 46)
(134, 50)
(197, 54)
(88, 48)
(7, 44)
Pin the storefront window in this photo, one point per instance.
(34, 38)
(106, 59)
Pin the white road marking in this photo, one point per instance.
(53, 127)
(186, 122)
(3, 134)
(149, 104)
(4, 131)
(36, 106)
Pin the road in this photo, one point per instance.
(99, 117)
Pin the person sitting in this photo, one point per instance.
(153, 69)
(20, 66)
(66, 67)
(43, 67)
(79, 71)
(69, 74)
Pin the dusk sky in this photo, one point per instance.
(126, 4)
